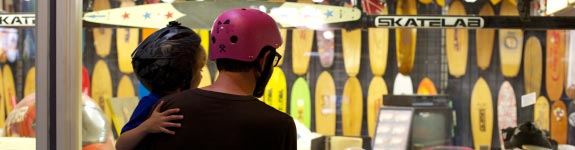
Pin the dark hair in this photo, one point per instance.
(232, 65)
(165, 61)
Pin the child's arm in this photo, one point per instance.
(157, 122)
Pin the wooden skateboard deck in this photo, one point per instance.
(352, 107)
(441, 3)
(3, 113)
(325, 47)
(275, 94)
(571, 121)
(457, 43)
(495, 2)
(405, 39)
(351, 43)
(206, 77)
(402, 85)
(30, 84)
(125, 88)
(378, 38)
(554, 67)
(510, 43)
(377, 89)
(325, 101)
(300, 102)
(425, 1)
(570, 66)
(85, 81)
(532, 66)
(147, 32)
(484, 40)
(426, 87)
(541, 113)
(126, 42)
(102, 36)
(102, 91)
(9, 88)
(506, 109)
(559, 122)
(481, 115)
(301, 48)
(204, 36)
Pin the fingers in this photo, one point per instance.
(167, 131)
(173, 117)
(170, 111)
(170, 125)
(157, 109)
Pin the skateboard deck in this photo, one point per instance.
(541, 113)
(457, 43)
(506, 109)
(204, 36)
(102, 36)
(281, 50)
(484, 40)
(405, 39)
(351, 43)
(3, 113)
(352, 107)
(570, 66)
(301, 48)
(426, 87)
(102, 91)
(147, 32)
(300, 102)
(30, 84)
(425, 1)
(571, 121)
(441, 3)
(126, 42)
(142, 91)
(85, 81)
(510, 43)
(481, 115)
(402, 85)
(9, 89)
(377, 89)
(325, 101)
(206, 77)
(378, 38)
(559, 122)
(532, 66)
(275, 94)
(554, 66)
(325, 47)
(495, 2)
(125, 88)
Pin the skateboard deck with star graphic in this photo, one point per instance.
(126, 41)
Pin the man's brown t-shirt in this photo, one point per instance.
(214, 120)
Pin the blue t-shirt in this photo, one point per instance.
(140, 114)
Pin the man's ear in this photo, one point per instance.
(262, 60)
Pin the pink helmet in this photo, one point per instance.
(241, 33)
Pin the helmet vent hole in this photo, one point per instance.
(234, 39)
(243, 9)
(213, 40)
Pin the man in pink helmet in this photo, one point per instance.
(227, 114)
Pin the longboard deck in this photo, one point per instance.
(405, 39)
(541, 113)
(102, 91)
(510, 43)
(3, 113)
(426, 87)
(300, 102)
(125, 88)
(571, 122)
(85, 81)
(30, 83)
(481, 115)
(302, 41)
(206, 77)
(351, 43)
(456, 43)
(554, 68)
(506, 109)
(325, 47)
(532, 66)
(325, 101)
(402, 85)
(484, 40)
(9, 88)
(126, 42)
(205, 36)
(570, 66)
(275, 93)
(377, 89)
(102, 36)
(352, 107)
(378, 38)
(559, 122)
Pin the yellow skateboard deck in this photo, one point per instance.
(205, 37)
(484, 40)
(495, 2)
(3, 113)
(456, 43)
(30, 84)
(570, 66)
(441, 3)
(302, 40)
(402, 85)
(9, 88)
(281, 50)
(125, 88)
(378, 40)
(405, 39)
(481, 115)
(147, 32)
(554, 66)
(126, 41)
(102, 36)
(325, 110)
(541, 113)
(275, 93)
(426, 87)
(206, 77)
(377, 88)
(559, 122)
(351, 43)
(102, 86)
(352, 107)
(510, 43)
(300, 102)
(532, 66)
(425, 1)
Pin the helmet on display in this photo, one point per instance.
(21, 121)
(241, 33)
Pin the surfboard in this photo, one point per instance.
(9, 88)
(301, 48)
(30, 83)
(377, 88)
(554, 66)
(126, 41)
(142, 91)
(559, 122)
(325, 101)
(532, 66)
(484, 39)
(325, 47)
(481, 110)
(378, 38)
(510, 43)
(85, 81)
(102, 36)
(506, 109)
(571, 122)
(125, 87)
(541, 113)
(300, 102)
(570, 66)
(102, 91)
(275, 94)
(405, 39)
(426, 87)
(206, 77)
(402, 85)
(351, 43)
(352, 107)
(456, 43)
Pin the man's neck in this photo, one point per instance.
(235, 83)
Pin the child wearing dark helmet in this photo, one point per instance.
(167, 62)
